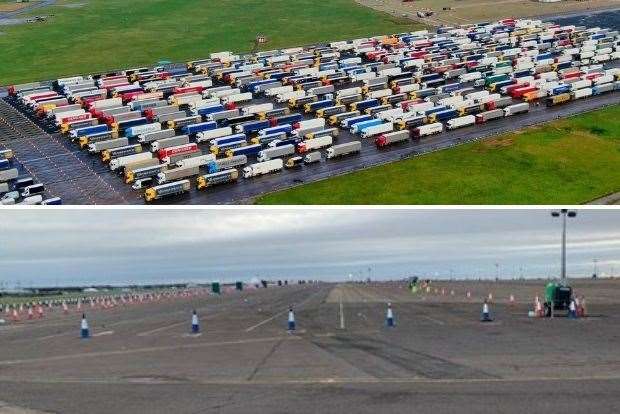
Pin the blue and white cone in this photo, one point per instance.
(85, 332)
(291, 320)
(486, 315)
(389, 316)
(195, 324)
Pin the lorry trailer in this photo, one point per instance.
(166, 190)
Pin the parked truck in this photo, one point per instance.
(215, 178)
(461, 122)
(177, 174)
(166, 190)
(262, 168)
(227, 163)
(132, 175)
(516, 109)
(197, 161)
(117, 163)
(281, 151)
(341, 150)
(390, 138)
(428, 129)
(314, 144)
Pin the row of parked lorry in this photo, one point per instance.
(16, 188)
(231, 115)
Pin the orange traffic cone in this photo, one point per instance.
(15, 315)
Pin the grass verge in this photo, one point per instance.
(102, 35)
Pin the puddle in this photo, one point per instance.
(10, 22)
(73, 5)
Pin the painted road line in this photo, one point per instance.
(104, 333)
(437, 321)
(299, 305)
(162, 328)
(148, 349)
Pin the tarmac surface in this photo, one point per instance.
(439, 358)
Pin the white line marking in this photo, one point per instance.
(251, 328)
(162, 328)
(437, 321)
(104, 333)
(299, 305)
(148, 349)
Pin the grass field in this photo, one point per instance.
(112, 34)
(570, 161)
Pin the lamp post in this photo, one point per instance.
(564, 213)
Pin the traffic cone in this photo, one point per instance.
(79, 305)
(538, 309)
(40, 311)
(65, 308)
(30, 313)
(452, 292)
(490, 297)
(15, 315)
(468, 294)
(195, 324)
(291, 319)
(583, 306)
(486, 314)
(389, 316)
(84, 332)
(512, 299)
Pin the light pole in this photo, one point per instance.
(564, 213)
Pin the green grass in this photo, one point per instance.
(114, 34)
(570, 161)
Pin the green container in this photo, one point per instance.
(239, 285)
(550, 291)
(215, 287)
(495, 78)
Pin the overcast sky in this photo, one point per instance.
(60, 247)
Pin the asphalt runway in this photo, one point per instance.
(439, 358)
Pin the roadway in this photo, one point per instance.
(438, 359)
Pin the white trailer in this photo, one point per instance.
(10, 174)
(119, 162)
(461, 121)
(428, 129)
(344, 149)
(315, 143)
(198, 161)
(213, 133)
(254, 109)
(261, 168)
(582, 93)
(278, 90)
(377, 130)
(516, 109)
(275, 152)
(239, 97)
